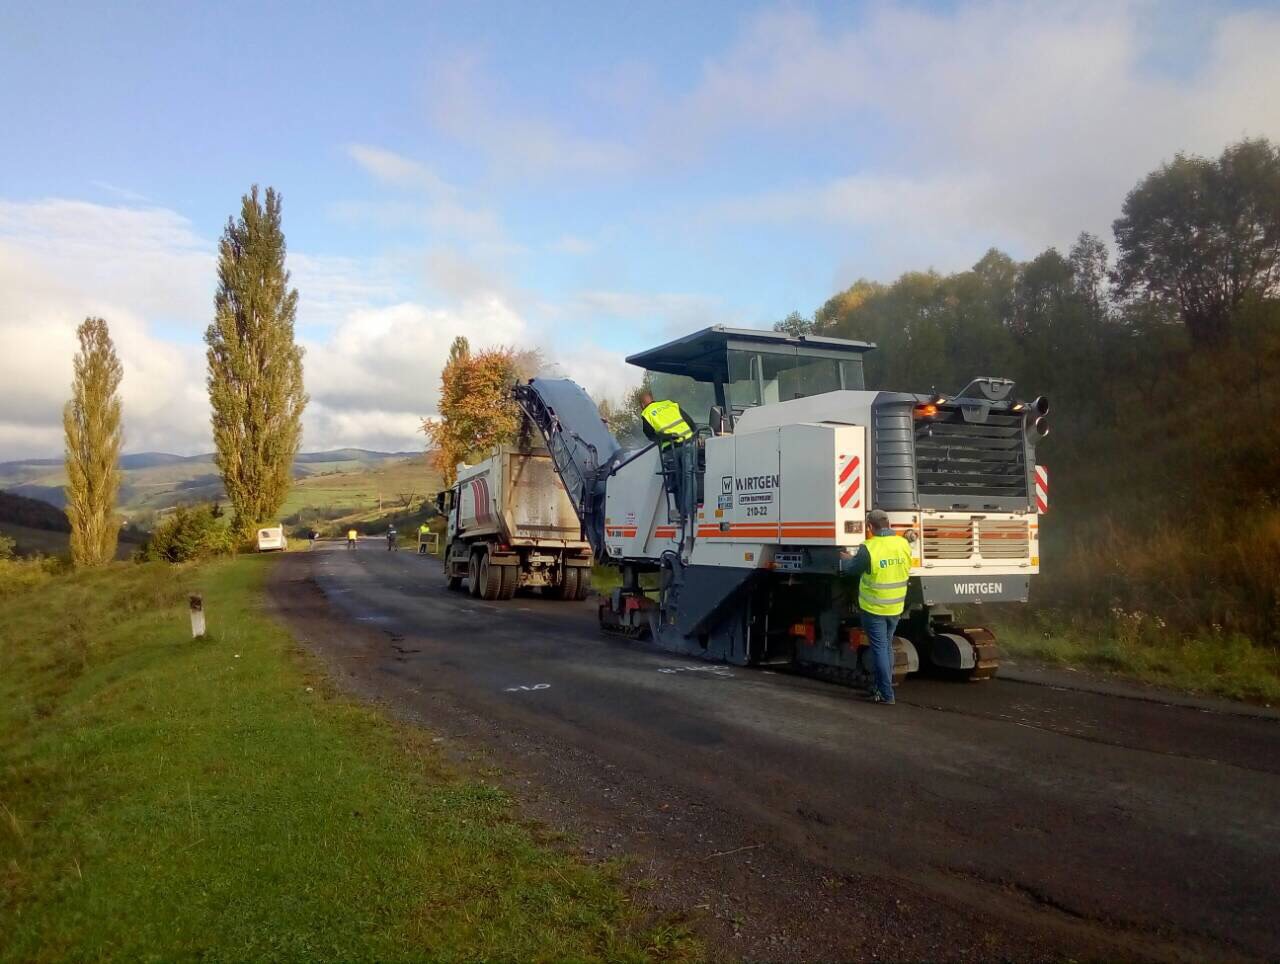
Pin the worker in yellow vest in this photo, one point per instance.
(423, 531)
(882, 567)
(665, 422)
(351, 538)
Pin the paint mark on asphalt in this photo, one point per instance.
(719, 671)
(526, 689)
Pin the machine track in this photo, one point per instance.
(986, 652)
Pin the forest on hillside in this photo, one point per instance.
(1162, 364)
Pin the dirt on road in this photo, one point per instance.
(786, 818)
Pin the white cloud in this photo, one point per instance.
(441, 210)
(602, 372)
(372, 365)
(63, 260)
(1013, 124)
(465, 104)
(399, 170)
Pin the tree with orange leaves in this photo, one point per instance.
(477, 412)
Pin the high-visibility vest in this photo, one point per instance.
(423, 530)
(883, 588)
(667, 422)
(351, 533)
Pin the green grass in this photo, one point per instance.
(1225, 665)
(162, 798)
(359, 491)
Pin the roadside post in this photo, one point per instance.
(197, 615)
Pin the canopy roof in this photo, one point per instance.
(703, 355)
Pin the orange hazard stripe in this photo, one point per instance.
(798, 530)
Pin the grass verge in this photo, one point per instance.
(1227, 665)
(163, 798)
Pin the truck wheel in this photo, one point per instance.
(584, 583)
(490, 579)
(453, 582)
(473, 574)
(510, 581)
(568, 588)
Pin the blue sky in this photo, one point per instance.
(590, 179)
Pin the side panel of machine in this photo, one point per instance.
(822, 484)
(724, 522)
(798, 485)
(637, 523)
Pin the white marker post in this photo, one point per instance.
(197, 616)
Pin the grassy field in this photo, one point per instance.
(1225, 665)
(162, 798)
(359, 491)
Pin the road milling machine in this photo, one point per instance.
(729, 544)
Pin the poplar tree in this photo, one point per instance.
(91, 420)
(255, 366)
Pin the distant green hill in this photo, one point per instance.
(155, 481)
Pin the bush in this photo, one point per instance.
(191, 532)
(6, 546)
(18, 576)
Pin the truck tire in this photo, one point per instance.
(473, 574)
(453, 583)
(490, 579)
(510, 581)
(570, 585)
(584, 583)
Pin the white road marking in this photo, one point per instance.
(713, 670)
(535, 686)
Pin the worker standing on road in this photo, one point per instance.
(423, 531)
(392, 543)
(882, 567)
(351, 538)
(665, 422)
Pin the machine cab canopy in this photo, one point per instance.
(737, 368)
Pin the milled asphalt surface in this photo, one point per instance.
(786, 818)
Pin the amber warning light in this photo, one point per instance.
(927, 410)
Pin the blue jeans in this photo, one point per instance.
(880, 630)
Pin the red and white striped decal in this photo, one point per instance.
(480, 494)
(1042, 489)
(849, 482)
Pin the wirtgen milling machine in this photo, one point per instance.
(729, 544)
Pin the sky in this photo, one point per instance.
(589, 179)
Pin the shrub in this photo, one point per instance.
(18, 576)
(6, 546)
(191, 532)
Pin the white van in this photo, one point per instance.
(272, 539)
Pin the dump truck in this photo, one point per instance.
(511, 525)
(729, 545)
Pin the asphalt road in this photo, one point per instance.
(785, 817)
